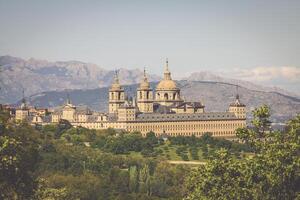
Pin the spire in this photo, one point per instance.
(167, 73)
(144, 83)
(237, 101)
(116, 78)
(237, 93)
(23, 104)
(167, 65)
(68, 98)
(145, 75)
(116, 84)
(23, 96)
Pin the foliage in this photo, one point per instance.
(271, 173)
(18, 159)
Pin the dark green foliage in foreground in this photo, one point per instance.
(61, 162)
(273, 172)
(18, 159)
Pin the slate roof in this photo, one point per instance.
(185, 116)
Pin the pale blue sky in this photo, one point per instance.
(195, 35)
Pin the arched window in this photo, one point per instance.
(119, 95)
(166, 96)
(174, 96)
(147, 94)
(141, 96)
(112, 96)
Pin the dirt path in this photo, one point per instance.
(179, 162)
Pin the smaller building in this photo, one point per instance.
(72, 113)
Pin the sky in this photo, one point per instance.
(257, 40)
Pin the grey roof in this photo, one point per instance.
(112, 117)
(47, 118)
(185, 116)
(81, 109)
(237, 103)
(190, 104)
(157, 108)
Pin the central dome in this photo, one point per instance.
(166, 85)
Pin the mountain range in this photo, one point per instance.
(215, 96)
(46, 84)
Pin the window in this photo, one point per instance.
(166, 96)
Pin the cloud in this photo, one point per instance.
(266, 74)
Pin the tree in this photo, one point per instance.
(144, 180)
(273, 172)
(19, 156)
(133, 179)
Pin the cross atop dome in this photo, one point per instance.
(167, 73)
(116, 78)
(145, 83)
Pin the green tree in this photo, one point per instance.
(273, 172)
(18, 159)
(133, 179)
(144, 180)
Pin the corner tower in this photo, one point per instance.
(22, 113)
(145, 96)
(237, 107)
(167, 92)
(116, 95)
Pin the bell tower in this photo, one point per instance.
(116, 95)
(145, 96)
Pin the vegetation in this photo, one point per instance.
(271, 173)
(63, 162)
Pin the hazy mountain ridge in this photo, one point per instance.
(46, 83)
(216, 96)
(209, 76)
(37, 76)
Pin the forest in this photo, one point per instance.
(56, 162)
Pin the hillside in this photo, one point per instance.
(37, 76)
(215, 95)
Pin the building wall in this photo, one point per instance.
(126, 114)
(218, 128)
(55, 118)
(240, 112)
(21, 115)
(68, 114)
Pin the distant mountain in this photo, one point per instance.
(209, 76)
(45, 81)
(37, 76)
(216, 96)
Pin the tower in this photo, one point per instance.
(237, 107)
(116, 95)
(145, 96)
(22, 113)
(167, 92)
(69, 110)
